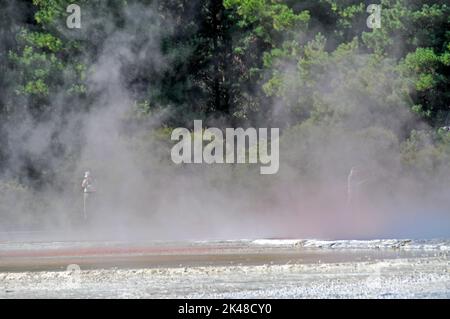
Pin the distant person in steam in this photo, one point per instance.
(88, 189)
(355, 179)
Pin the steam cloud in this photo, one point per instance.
(142, 194)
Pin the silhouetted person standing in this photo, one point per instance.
(88, 189)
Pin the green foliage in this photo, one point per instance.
(426, 154)
(39, 69)
(428, 73)
(267, 16)
(41, 60)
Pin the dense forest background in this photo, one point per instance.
(341, 93)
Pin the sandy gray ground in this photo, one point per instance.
(416, 277)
